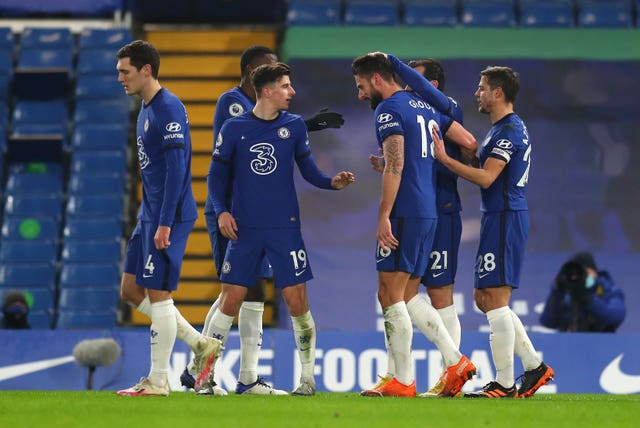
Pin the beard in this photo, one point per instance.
(376, 98)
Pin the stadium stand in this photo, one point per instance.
(314, 12)
(430, 13)
(604, 13)
(546, 13)
(371, 12)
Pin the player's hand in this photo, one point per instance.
(161, 238)
(386, 240)
(227, 225)
(324, 119)
(438, 145)
(342, 180)
(377, 161)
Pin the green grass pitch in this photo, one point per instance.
(50, 409)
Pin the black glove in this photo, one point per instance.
(324, 119)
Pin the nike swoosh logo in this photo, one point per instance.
(615, 381)
(435, 275)
(144, 275)
(301, 272)
(379, 260)
(16, 370)
(482, 275)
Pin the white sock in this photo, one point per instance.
(391, 364)
(427, 319)
(163, 336)
(502, 340)
(523, 347)
(145, 307)
(207, 319)
(451, 323)
(220, 326)
(397, 326)
(304, 330)
(250, 327)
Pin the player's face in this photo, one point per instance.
(131, 78)
(282, 93)
(485, 96)
(367, 91)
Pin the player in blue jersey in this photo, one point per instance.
(505, 157)
(407, 219)
(165, 219)
(255, 154)
(233, 103)
(443, 258)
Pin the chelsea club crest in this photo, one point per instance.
(284, 133)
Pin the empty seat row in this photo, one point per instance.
(469, 13)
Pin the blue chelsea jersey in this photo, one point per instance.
(405, 113)
(261, 155)
(163, 126)
(447, 197)
(230, 104)
(507, 140)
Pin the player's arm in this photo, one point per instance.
(393, 153)
(217, 184)
(463, 138)
(483, 177)
(310, 172)
(173, 183)
(420, 85)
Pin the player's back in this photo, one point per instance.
(264, 153)
(447, 197)
(507, 140)
(407, 114)
(163, 125)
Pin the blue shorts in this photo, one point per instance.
(156, 269)
(219, 245)
(503, 242)
(443, 259)
(415, 237)
(283, 247)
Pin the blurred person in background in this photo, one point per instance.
(583, 298)
(15, 311)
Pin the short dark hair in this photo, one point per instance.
(267, 74)
(505, 78)
(141, 53)
(433, 70)
(251, 54)
(368, 65)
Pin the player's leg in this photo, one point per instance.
(288, 255)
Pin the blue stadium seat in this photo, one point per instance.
(98, 162)
(86, 319)
(33, 206)
(90, 136)
(50, 115)
(43, 298)
(88, 299)
(313, 12)
(26, 184)
(37, 58)
(6, 62)
(94, 184)
(72, 8)
(488, 13)
(430, 13)
(104, 38)
(49, 38)
(371, 12)
(546, 13)
(35, 168)
(91, 251)
(92, 229)
(6, 39)
(28, 252)
(97, 61)
(604, 13)
(99, 87)
(95, 206)
(81, 275)
(30, 229)
(40, 320)
(28, 275)
(5, 87)
(4, 115)
(102, 112)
